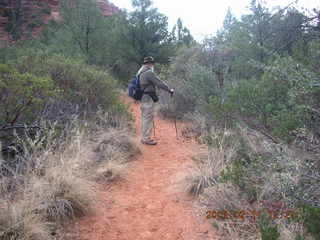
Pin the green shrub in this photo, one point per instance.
(268, 230)
(282, 100)
(311, 219)
(82, 85)
(22, 95)
(240, 175)
(285, 123)
(222, 113)
(194, 83)
(35, 23)
(34, 15)
(244, 169)
(9, 26)
(55, 89)
(46, 10)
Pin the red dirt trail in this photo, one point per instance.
(144, 206)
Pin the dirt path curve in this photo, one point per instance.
(145, 206)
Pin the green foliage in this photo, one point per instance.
(261, 70)
(245, 167)
(268, 230)
(35, 23)
(22, 95)
(147, 34)
(242, 173)
(314, 56)
(46, 9)
(37, 88)
(22, 18)
(181, 35)
(311, 219)
(84, 25)
(194, 83)
(9, 26)
(258, 36)
(117, 43)
(222, 112)
(81, 84)
(281, 100)
(84, 86)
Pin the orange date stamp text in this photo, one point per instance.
(252, 214)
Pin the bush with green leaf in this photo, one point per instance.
(194, 83)
(87, 87)
(22, 95)
(269, 230)
(39, 87)
(311, 219)
(282, 101)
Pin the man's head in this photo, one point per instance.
(148, 61)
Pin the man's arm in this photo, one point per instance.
(157, 82)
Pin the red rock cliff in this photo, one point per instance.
(33, 14)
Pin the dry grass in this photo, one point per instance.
(58, 183)
(115, 149)
(291, 231)
(204, 181)
(194, 127)
(116, 145)
(60, 195)
(18, 222)
(211, 164)
(271, 171)
(110, 172)
(226, 196)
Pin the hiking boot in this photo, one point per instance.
(149, 142)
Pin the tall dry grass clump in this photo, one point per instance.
(55, 179)
(18, 222)
(211, 164)
(114, 146)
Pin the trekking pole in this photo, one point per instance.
(175, 120)
(175, 125)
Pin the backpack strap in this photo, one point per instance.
(138, 75)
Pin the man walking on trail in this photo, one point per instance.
(148, 82)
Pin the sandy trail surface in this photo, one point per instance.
(147, 205)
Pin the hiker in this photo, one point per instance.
(149, 81)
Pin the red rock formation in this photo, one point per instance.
(107, 8)
(3, 23)
(48, 10)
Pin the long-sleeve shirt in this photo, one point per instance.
(148, 80)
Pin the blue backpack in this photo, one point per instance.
(134, 89)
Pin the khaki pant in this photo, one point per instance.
(147, 113)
